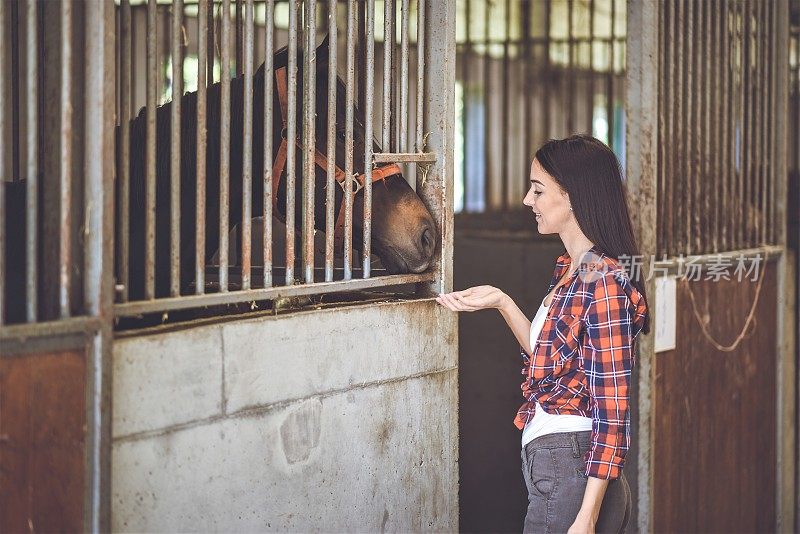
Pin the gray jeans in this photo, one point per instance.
(555, 473)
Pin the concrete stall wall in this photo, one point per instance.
(337, 420)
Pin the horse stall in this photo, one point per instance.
(527, 71)
(217, 306)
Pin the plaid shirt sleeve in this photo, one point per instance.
(608, 360)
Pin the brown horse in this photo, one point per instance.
(403, 232)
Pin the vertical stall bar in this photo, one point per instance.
(210, 44)
(123, 234)
(715, 82)
(291, 145)
(505, 110)
(98, 157)
(590, 74)
(465, 77)
(348, 143)
(404, 19)
(330, 186)
(420, 141)
(744, 121)
(696, 128)
(150, 154)
(309, 137)
(528, 98)
(571, 101)
(758, 163)
(247, 148)
(65, 174)
(4, 162)
(488, 160)
(770, 101)
(546, 119)
(32, 154)
(711, 174)
(393, 122)
(269, 28)
(726, 132)
(667, 129)
(368, 145)
(361, 53)
(175, 150)
(237, 27)
(200, 193)
(388, 43)
(610, 76)
(224, 143)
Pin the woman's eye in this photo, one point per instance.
(537, 192)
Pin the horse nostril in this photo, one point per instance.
(427, 241)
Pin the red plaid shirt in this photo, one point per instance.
(582, 361)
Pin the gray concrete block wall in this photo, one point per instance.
(329, 420)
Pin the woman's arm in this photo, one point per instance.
(590, 507)
(487, 297)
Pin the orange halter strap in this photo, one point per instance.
(321, 160)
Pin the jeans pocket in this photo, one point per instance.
(542, 474)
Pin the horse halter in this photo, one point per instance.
(321, 160)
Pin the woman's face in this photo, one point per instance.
(550, 204)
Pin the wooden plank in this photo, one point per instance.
(42, 420)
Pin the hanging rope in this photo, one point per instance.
(747, 323)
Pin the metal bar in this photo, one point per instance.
(247, 148)
(404, 21)
(388, 42)
(330, 184)
(196, 301)
(546, 119)
(610, 76)
(210, 44)
(203, 60)
(32, 155)
(488, 160)
(412, 157)
(664, 204)
(681, 118)
(759, 165)
(393, 122)
(65, 140)
(98, 160)
(712, 51)
(726, 243)
(269, 29)
(123, 234)
(150, 154)
(748, 98)
(4, 160)
(348, 142)
(368, 136)
(694, 153)
(465, 78)
(361, 53)
(175, 150)
(291, 134)
(571, 101)
(506, 178)
(238, 37)
(421, 76)
(772, 154)
(309, 136)
(529, 97)
(224, 144)
(25, 333)
(744, 137)
(590, 73)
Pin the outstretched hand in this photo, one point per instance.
(472, 299)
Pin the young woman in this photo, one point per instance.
(579, 348)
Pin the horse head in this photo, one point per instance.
(403, 233)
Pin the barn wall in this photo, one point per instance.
(249, 425)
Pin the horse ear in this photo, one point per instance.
(322, 51)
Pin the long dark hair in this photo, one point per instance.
(592, 177)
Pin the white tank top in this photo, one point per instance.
(542, 422)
